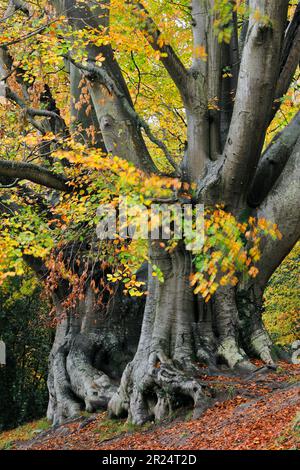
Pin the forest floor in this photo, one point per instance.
(257, 412)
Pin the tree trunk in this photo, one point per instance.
(180, 335)
(91, 349)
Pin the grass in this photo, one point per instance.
(111, 428)
(22, 433)
(292, 434)
(295, 379)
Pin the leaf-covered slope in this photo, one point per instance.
(258, 413)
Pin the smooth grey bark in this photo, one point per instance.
(259, 71)
(91, 349)
(230, 328)
(180, 335)
(281, 206)
(34, 173)
(160, 374)
(273, 161)
(179, 330)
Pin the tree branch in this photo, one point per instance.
(273, 161)
(231, 65)
(138, 120)
(11, 95)
(6, 62)
(244, 30)
(290, 60)
(22, 6)
(281, 207)
(256, 89)
(169, 58)
(34, 173)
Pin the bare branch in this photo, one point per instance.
(138, 120)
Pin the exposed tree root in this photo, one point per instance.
(91, 385)
(178, 333)
(157, 393)
(89, 354)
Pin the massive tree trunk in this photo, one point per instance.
(181, 333)
(223, 157)
(183, 337)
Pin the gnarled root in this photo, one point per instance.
(89, 354)
(179, 329)
(252, 331)
(161, 390)
(91, 385)
(229, 349)
(161, 374)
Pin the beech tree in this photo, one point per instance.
(182, 99)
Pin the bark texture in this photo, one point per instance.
(181, 335)
(91, 349)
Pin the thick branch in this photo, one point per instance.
(169, 58)
(282, 207)
(7, 208)
(120, 133)
(33, 173)
(273, 161)
(200, 21)
(255, 92)
(290, 59)
(138, 120)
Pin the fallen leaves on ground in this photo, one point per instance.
(260, 413)
(23, 433)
